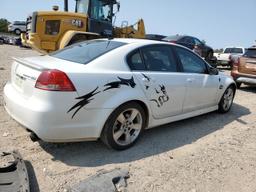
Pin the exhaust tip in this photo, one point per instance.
(34, 137)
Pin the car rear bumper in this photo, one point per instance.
(243, 78)
(51, 122)
(246, 80)
(224, 62)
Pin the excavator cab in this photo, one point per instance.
(100, 15)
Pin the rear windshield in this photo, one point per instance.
(250, 53)
(234, 50)
(87, 51)
(172, 38)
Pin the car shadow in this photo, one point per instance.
(153, 142)
(248, 88)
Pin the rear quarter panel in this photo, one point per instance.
(107, 81)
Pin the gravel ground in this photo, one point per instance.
(212, 152)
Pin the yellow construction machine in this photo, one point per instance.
(49, 31)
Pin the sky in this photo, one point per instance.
(220, 23)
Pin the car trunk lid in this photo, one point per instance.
(24, 75)
(25, 72)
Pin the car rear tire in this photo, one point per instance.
(124, 126)
(226, 101)
(17, 31)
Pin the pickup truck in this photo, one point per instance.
(229, 54)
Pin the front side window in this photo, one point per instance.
(82, 6)
(251, 53)
(87, 51)
(190, 62)
(101, 10)
(197, 42)
(19, 23)
(52, 27)
(159, 58)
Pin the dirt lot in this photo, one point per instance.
(212, 152)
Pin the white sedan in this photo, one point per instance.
(113, 90)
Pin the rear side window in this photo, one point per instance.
(135, 61)
(187, 40)
(190, 62)
(87, 51)
(251, 53)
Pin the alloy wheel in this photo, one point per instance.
(228, 99)
(127, 126)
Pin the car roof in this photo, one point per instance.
(231, 47)
(252, 48)
(145, 42)
(140, 41)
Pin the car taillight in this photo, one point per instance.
(54, 80)
(237, 62)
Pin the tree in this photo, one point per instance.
(4, 25)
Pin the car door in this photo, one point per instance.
(201, 86)
(156, 69)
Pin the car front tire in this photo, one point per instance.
(226, 101)
(124, 126)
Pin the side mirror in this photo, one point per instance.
(213, 71)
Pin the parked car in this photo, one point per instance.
(1, 40)
(14, 41)
(5, 39)
(244, 70)
(155, 37)
(229, 55)
(17, 27)
(113, 90)
(194, 44)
